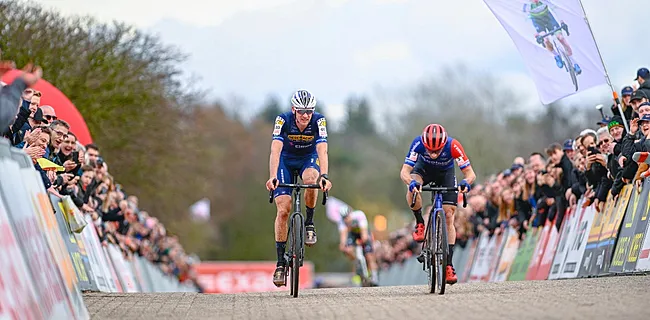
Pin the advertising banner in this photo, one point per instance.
(508, 254)
(50, 287)
(589, 259)
(18, 298)
(525, 253)
(539, 251)
(627, 236)
(246, 276)
(566, 235)
(545, 263)
(481, 267)
(612, 226)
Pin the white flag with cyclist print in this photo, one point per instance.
(555, 42)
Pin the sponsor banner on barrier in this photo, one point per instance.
(539, 251)
(524, 256)
(642, 255)
(545, 263)
(611, 229)
(481, 266)
(97, 260)
(246, 276)
(627, 239)
(82, 269)
(111, 269)
(499, 243)
(49, 227)
(461, 255)
(589, 259)
(578, 243)
(469, 263)
(122, 269)
(18, 297)
(642, 231)
(568, 233)
(50, 287)
(507, 257)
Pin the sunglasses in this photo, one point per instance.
(50, 118)
(304, 111)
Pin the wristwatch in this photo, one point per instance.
(324, 176)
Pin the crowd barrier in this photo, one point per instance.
(587, 243)
(44, 265)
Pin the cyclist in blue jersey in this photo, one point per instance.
(299, 144)
(431, 159)
(544, 21)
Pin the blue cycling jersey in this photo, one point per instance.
(452, 150)
(299, 143)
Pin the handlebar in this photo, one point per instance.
(442, 190)
(301, 186)
(562, 26)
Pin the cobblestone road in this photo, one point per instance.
(602, 298)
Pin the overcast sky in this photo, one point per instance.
(251, 48)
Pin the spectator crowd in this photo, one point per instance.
(69, 168)
(596, 162)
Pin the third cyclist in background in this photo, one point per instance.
(431, 159)
(353, 226)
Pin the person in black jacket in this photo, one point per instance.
(559, 158)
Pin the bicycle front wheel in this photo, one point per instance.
(429, 249)
(442, 247)
(296, 248)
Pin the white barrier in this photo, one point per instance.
(43, 265)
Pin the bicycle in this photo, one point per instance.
(361, 265)
(566, 59)
(435, 247)
(294, 257)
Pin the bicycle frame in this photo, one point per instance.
(361, 259)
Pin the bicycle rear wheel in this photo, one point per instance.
(441, 251)
(296, 248)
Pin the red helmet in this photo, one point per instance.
(434, 137)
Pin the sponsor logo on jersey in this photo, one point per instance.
(279, 122)
(413, 156)
(300, 138)
(322, 127)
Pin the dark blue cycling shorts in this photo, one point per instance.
(546, 23)
(290, 164)
(354, 236)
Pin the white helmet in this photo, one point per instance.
(303, 99)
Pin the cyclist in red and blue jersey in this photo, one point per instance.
(299, 144)
(431, 159)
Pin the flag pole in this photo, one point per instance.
(617, 101)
